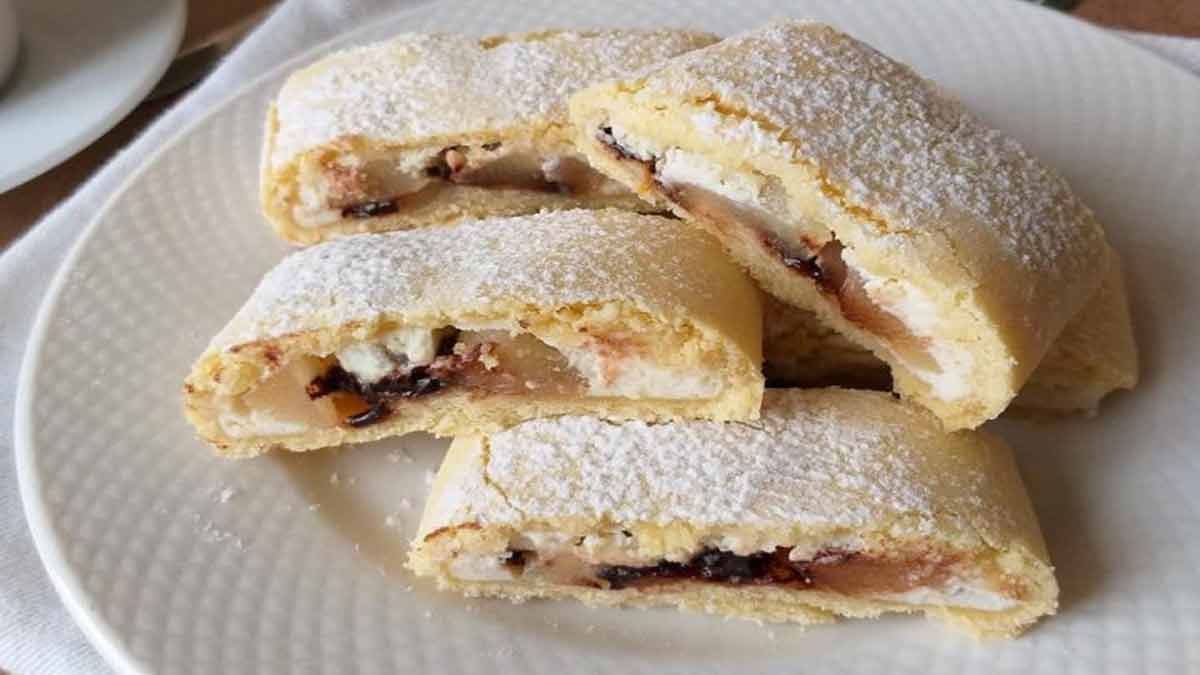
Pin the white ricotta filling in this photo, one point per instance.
(785, 214)
(368, 361)
(641, 148)
(955, 593)
(746, 188)
(615, 548)
(543, 542)
(678, 166)
(635, 377)
(404, 346)
(417, 345)
(920, 315)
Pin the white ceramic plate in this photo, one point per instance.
(82, 66)
(175, 562)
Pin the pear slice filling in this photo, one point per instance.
(365, 382)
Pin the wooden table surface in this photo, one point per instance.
(209, 22)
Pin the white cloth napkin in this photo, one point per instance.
(36, 633)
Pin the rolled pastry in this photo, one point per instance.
(834, 503)
(430, 129)
(1094, 356)
(481, 325)
(850, 186)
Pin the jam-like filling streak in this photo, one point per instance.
(831, 569)
(716, 565)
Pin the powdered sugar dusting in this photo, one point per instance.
(418, 86)
(479, 268)
(823, 458)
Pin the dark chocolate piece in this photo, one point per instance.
(378, 411)
(371, 209)
(719, 566)
(517, 559)
(728, 566)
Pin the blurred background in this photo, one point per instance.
(214, 28)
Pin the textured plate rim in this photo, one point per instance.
(50, 548)
(136, 95)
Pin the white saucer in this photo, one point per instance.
(82, 66)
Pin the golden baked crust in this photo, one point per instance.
(616, 299)
(351, 139)
(1094, 356)
(850, 186)
(836, 473)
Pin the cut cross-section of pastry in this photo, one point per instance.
(430, 129)
(1094, 356)
(480, 325)
(834, 503)
(849, 185)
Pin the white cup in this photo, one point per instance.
(8, 39)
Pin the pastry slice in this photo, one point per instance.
(850, 186)
(479, 326)
(835, 503)
(430, 129)
(1094, 356)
